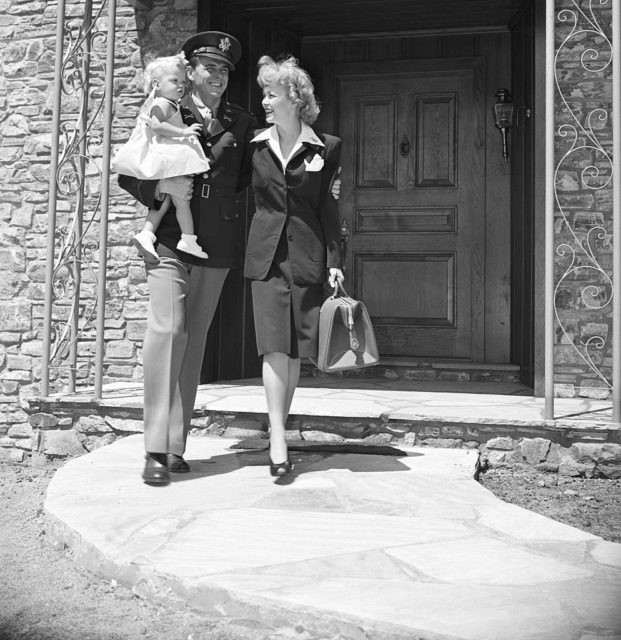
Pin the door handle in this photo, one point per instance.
(344, 239)
(405, 146)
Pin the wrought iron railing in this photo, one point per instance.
(585, 241)
(80, 148)
(582, 147)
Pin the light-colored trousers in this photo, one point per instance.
(183, 300)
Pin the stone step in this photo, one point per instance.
(417, 370)
(356, 410)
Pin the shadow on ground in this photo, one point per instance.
(307, 457)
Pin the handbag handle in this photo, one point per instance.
(354, 343)
(348, 315)
(335, 293)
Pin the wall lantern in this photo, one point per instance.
(503, 113)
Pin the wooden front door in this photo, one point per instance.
(412, 202)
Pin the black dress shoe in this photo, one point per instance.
(281, 469)
(155, 471)
(176, 464)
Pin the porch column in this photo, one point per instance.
(616, 212)
(51, 207)
(549, 217)
(105, 193)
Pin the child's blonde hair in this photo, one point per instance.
(296, 81)
(155, 67)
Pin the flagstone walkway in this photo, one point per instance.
(391, 546)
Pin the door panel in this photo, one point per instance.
(433, 303)
(435, 143)
(375, 144)
(412, 165)
(441, 219)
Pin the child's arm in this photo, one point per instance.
(160, 114)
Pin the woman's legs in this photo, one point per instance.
(294, 378)
(280, 379)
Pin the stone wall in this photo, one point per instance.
(27, 38)
(583, 219)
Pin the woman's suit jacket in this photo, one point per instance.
(297, 202)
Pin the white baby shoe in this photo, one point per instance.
(143, 241)
(188, 244)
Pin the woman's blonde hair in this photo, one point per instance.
(296, 81)
(155, 68)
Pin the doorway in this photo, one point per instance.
(412, 209)
(439, 234)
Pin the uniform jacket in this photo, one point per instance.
(216, 220)
(297, 203)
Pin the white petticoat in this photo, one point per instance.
(151, 156)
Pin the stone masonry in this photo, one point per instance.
(64, 431)
(27, 37)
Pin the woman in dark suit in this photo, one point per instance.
(293, 245)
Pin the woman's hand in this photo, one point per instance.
(336, 275)
(335, 185)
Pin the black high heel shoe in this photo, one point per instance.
(282, 468)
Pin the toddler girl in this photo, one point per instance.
(160, 147)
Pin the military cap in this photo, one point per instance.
(215, 44)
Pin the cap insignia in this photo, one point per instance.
(225, 44)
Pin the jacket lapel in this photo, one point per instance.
(188, 103)
(215, 126)
(306, 148)
(222, 122)
(267, 151)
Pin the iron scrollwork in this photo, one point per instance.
(80, 144)
(579, 254)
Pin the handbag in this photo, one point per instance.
(346, 337)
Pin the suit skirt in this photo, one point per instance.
(286, 315)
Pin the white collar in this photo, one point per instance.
(271, 137)
(306, 135)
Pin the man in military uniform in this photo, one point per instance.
(184, 290)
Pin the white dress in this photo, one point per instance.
(151, 156)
